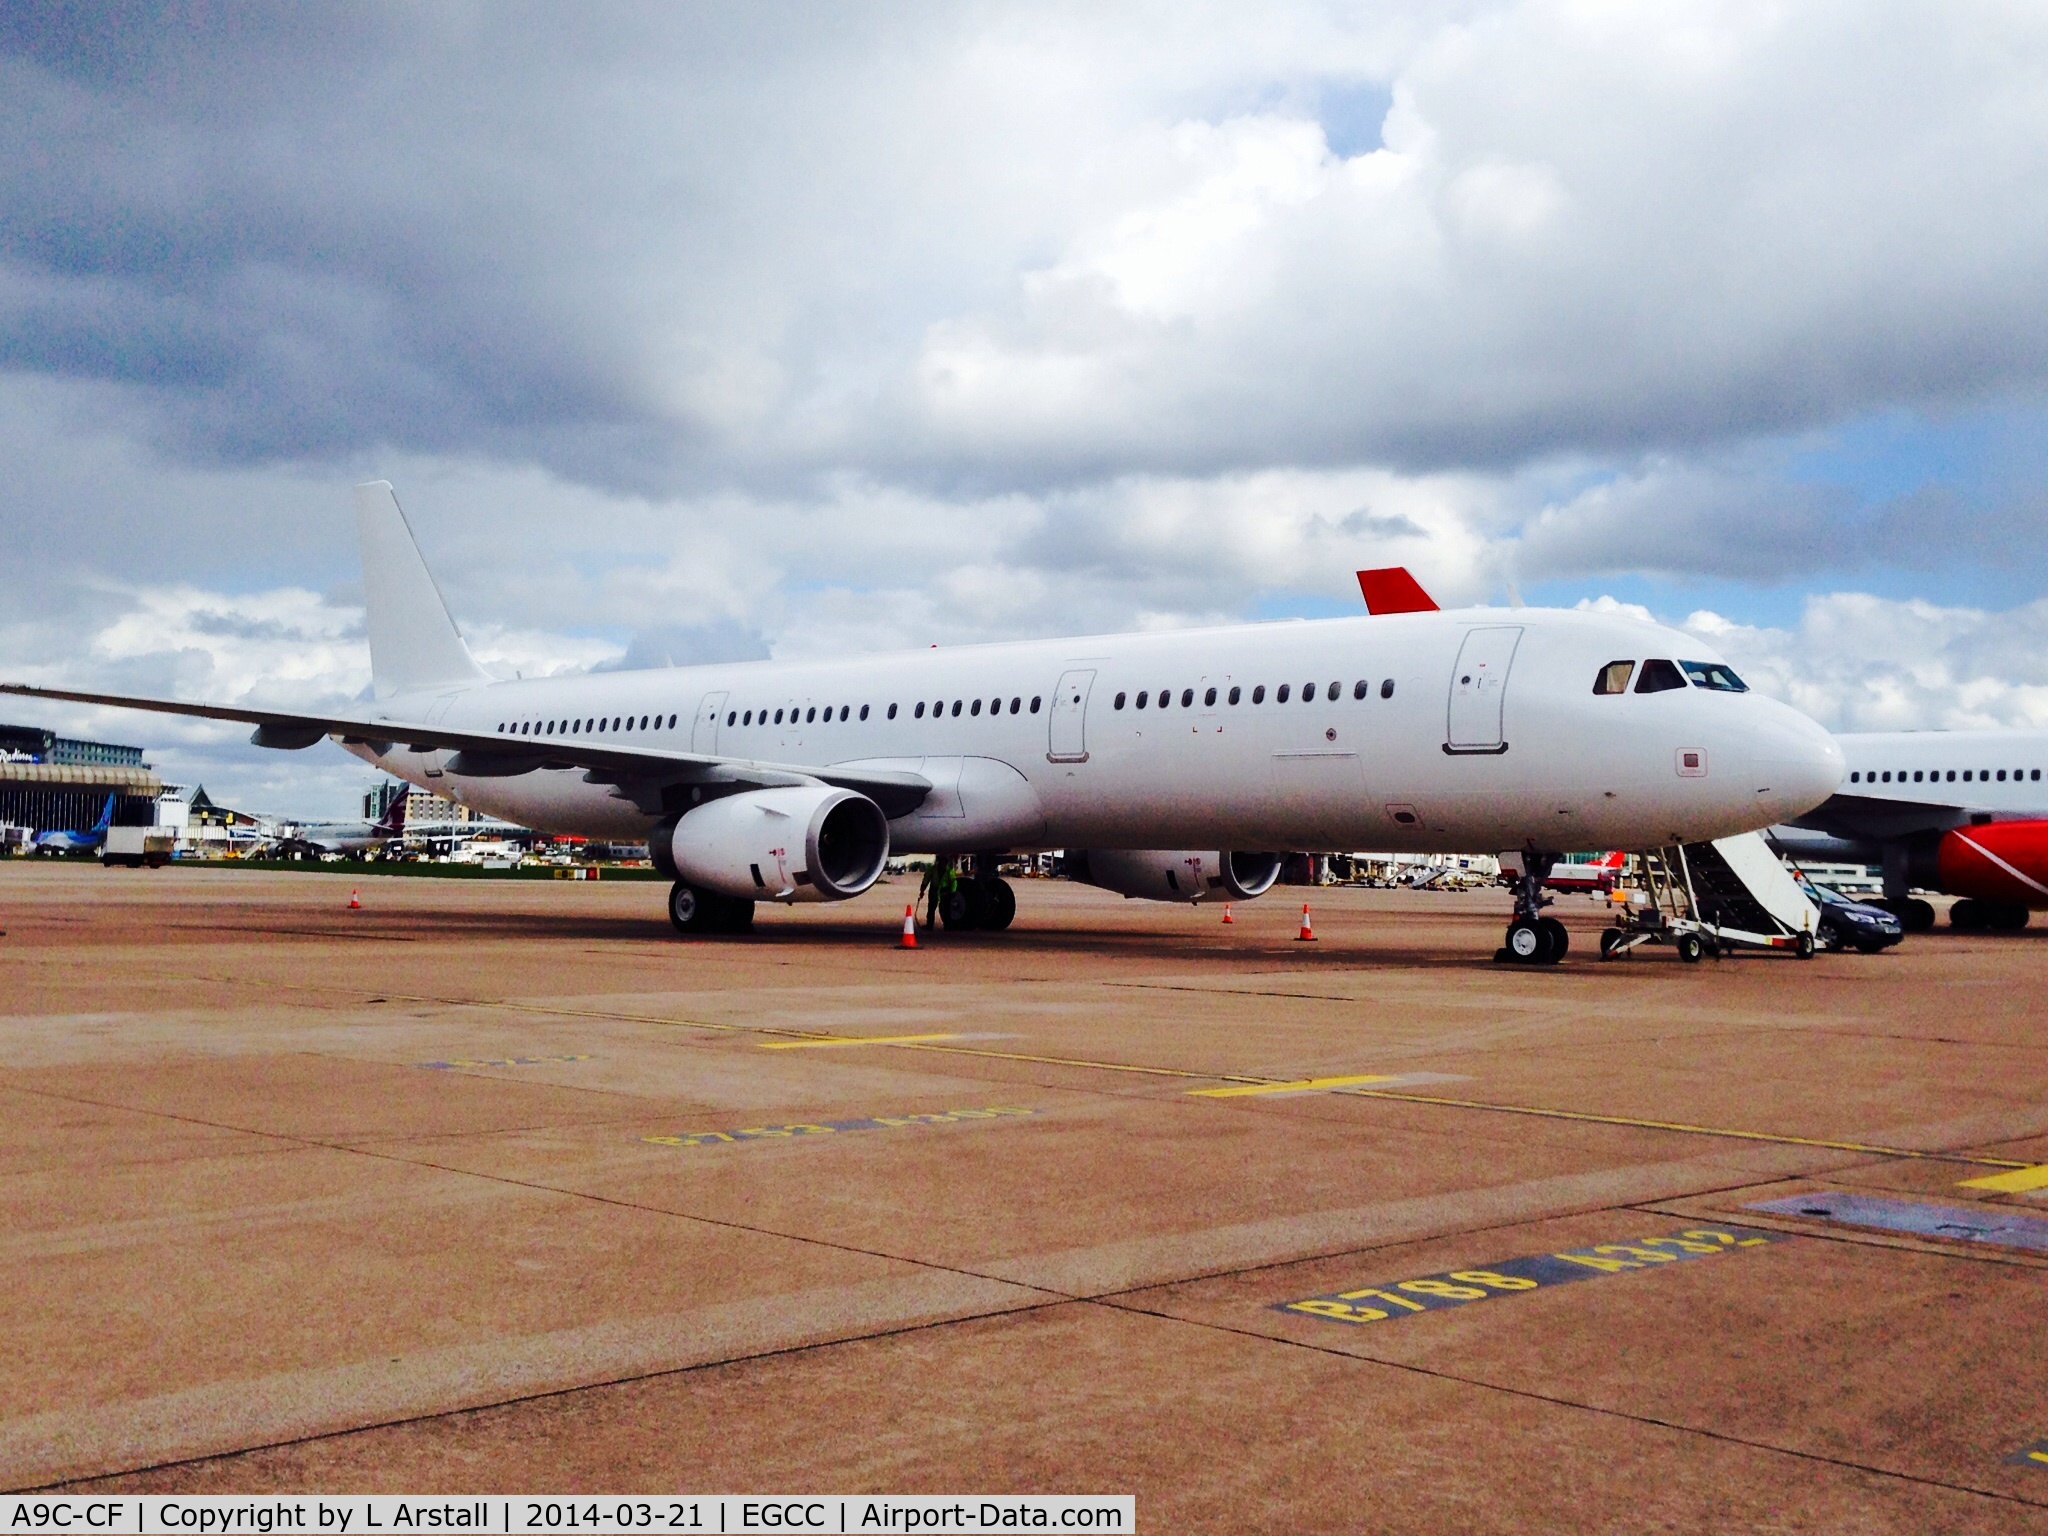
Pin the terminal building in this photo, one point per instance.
(53, 783)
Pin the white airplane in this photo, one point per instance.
(1166, 763)
(345, 836)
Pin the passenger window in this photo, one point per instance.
(1334, 690)
(1144, 696)
(1613, 678)
(1238, 693)
(1118, 702)
(1916, 775)
(1308, 693)
(863, 711)
(976, 710)
(1209, 697)
(1659, 676)
(1034, 703)
(731, 716)
(892, 711)
(920, 710)
(1259, 694)
(1359, 689)
(1187, 698)
(1280, 694)
(1387, 689)
(1166, 698)
(956, 709)
(2001, 775)
(1855, 778)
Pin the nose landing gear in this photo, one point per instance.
(1532, 938)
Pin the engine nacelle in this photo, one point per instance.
(803, 843)
(1175, 874)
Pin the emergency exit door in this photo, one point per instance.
(704, 732)
(1479, 689)
(1069, 722)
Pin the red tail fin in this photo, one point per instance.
(393, 822)
(1392, 590)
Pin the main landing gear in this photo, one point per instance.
(971, 900)
(1532, 938)
(696, 912)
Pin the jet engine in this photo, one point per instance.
(803, 843)
(1175, 874)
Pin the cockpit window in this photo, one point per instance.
(1716, 675)
(1658, 675)
(1613, 678)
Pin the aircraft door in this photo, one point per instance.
(1069, 718)
(704, 734)
(1479, 687)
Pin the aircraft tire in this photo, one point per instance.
(738, 916)
(1915, 915)
(965, 908)
(1527, 943)
(2005, 916)
(1560, 939)
(1689, 948)
(690, 911)
(1967, 915)
(1002, 904)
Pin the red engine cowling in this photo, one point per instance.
(1999, 861)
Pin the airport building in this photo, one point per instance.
(54, 783)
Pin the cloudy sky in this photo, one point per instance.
(693, 332)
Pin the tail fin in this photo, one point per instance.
(413, 642)
(106, 816)
(392, 823)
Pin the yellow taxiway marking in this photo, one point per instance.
(1690, 1130)
(827, 1043)
(1304, 1085)
(2018, 1182)
(2037, 1456)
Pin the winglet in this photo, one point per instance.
(1391, 589)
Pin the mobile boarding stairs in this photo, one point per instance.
(1713, 898)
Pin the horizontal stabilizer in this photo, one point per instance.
(1390, 589)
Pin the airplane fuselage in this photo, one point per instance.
(1472, 730)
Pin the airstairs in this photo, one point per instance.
(1714, 898)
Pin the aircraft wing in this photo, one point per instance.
(639, 774)
(1868, 816)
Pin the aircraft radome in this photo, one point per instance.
(1177, 766)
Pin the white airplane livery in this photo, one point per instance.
(1179, 766)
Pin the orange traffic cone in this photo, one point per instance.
(909, 939)
(355, 900)
(1308, 929)
(1226, 913)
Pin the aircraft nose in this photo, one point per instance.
(1798, 764)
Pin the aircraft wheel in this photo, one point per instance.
(1802, 946)
(1560, 939)
(2005, 916)
(1527, 943)
(1966, 915)
(738, 916)
(1689, 948)
(1002, 904)
(691, 911)
(965, 908)
(1610, 940)
(1915, 915)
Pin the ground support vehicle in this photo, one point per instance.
(1712, 899)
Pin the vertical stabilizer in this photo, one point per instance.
(413, 642)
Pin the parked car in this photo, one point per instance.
(1846, 924)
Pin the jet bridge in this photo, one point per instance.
(1711, 898)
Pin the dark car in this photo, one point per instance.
(1851, 924)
